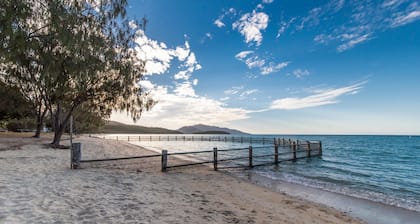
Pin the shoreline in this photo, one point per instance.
(366, 210)
(38, 186)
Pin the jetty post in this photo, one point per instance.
(294, 151)
(250, 156)
(276, 152)
(308, 152)
(215, 158)
(164, 160)
(320, 148)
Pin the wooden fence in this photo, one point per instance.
(248, 157)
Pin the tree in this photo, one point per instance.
(19, 54)
(12, 104)
(83, 52)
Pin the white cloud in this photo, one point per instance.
(158, 56)
(254, 61)
(146, 84)
(234, 90)
(250, 26)
(365, 19)
(243, 54)
(299, 73)
(195, 82)
(267, 1)
(272, 67)
(177, 110)
(185, 89)
(312, 18)
(248, 92)
(354, 40)
(218, 22)
(320, 98)
(284, 25)
(406, 18)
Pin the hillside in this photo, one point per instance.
(113, 127)
(201, 128)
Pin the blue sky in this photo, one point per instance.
(282, 67)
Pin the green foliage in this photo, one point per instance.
(13, 105)
(85, 120)
(24, 124)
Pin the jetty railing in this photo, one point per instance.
(202, 138)
(247, 157)
(281, 150)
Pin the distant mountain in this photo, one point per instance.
(201, 128)
(113, 127)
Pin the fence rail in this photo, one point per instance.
(202, 138)
(281, 150)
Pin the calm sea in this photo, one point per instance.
(384, 169)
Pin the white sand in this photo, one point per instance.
(37, 186)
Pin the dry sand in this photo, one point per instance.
(37, 186)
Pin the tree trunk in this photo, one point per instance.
(60, 126)
(58, 132)
(39, 122)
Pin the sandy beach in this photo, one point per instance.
(37, 186)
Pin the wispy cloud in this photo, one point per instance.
(365, 20)
(267, 1)
(238, 92)
(234, 90)
(250, 26)
(320, 98)
(284, 25)
(273, 67)
(219, 21)
(252, 60)
(300, 73)
(403, 19)
(353, 41)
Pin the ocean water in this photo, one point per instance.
(384, 169)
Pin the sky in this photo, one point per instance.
(281, 66)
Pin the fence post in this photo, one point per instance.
(117, 137)
(308, 153)
(276, 154)
(294, 151)
(128, 138)
(320, 148)
(164, 160)
(215, 158)
(250, 156)
(76, 154)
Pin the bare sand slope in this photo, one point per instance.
(36, 186)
